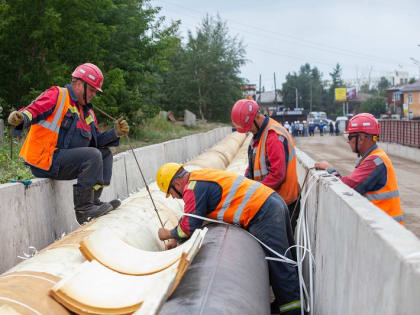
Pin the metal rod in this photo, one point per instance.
(138, 165)
(11, 143)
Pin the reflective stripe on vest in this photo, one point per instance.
(383, 196)
(388, 197)
(41, 141)
(289, 188)
(241, 197)
(54, 125)
(263, 164)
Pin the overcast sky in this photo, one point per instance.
(365, 37)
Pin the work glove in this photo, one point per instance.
(121, 127)
(15, 118)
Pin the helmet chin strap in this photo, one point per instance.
(84, 92)
(256, 126)
(177, 191)
(357, 145)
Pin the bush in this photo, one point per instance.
(12, 167)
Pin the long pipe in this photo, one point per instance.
(138, 165)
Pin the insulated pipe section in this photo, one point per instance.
(228, 276)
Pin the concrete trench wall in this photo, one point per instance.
(366, 263)
(41, 213)
(402, 151)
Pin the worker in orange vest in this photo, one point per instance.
(271, 152)
(64, 141)
(374, 176)
(232, 198)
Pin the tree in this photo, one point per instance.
(309, 85)
(336, 82)
(383, 85)
(376, 106)
(204, 74)
(43, 41)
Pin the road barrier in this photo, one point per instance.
(404, 132)
(365, 262)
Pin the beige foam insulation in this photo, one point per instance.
(96, 289)
(134, 223)
(107, 248)
(27, 293)
(7, 310)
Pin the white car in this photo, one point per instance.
(342, 122)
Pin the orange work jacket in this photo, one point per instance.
(289, 189)
(41, 141)
(241, 197)
(388, 197)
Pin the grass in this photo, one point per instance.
(152, 131)
(11, 166)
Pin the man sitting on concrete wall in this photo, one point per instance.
(271, 153)
(374, 176)
(229, 197)
(64, 141)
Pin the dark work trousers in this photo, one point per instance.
(294, 213)
(271, 225)
(89, 165)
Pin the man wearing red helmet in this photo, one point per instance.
(271, 153)
(374, 175)
(64, 141)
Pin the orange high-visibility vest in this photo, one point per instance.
(289, 189)
(41, 141)
(388, 197)
(241, 197)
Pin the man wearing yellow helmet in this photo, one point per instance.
(235, 199)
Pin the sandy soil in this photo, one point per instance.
(336, 151)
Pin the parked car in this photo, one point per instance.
(342, 123)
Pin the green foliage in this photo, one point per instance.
(309, 85)
(376, 106)
(337, 82)
(42, 42)
(11, 165)
(204, 74)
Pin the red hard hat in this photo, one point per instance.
(243, 114)
(365, 123)
(89, 73)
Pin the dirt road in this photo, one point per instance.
(336, 151)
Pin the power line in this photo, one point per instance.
(293, 39)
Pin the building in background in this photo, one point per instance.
(397, 78)
(395, 101)
(411, 100)
(249, 91)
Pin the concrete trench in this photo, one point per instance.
(136, 223)
(365, 263)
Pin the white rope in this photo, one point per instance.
(20, 303)
(303, 246)
(30, 276)
(31, 254)
(303, 242)
(282, 257)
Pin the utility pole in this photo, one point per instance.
(310, 105)
(417, 63)
(275, 90)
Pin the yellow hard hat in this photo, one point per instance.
(165, 174)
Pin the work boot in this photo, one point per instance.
(84, 207)
(97, 194)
